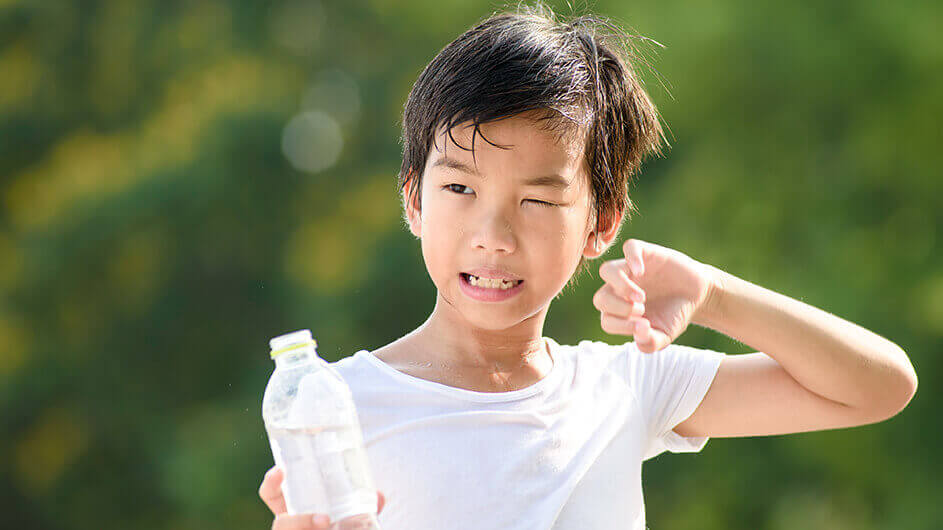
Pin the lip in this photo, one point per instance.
(489, 272)
(485, 294)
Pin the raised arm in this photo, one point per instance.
(816, 370)
(813, 370)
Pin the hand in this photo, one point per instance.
(653, 294)
(271, 493)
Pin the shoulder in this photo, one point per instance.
(369, 385)
(352, 366)
(674, 360)
(368, 371)
(361, 358)
(596, 351)
(593, 356)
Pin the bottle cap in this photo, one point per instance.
(291, 341)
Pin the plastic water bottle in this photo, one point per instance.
(315, 436)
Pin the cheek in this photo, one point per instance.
(562, 233)
(439, 237)
(569, 240)
(438, 224)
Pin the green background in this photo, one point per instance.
(155, 232)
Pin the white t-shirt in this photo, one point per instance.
(565, 453)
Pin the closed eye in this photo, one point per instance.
(452, 188)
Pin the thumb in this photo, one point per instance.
(649, 339)
(271, 491)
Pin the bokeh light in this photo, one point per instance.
(335, 92)
(312, 141)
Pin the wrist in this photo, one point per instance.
(708, 312)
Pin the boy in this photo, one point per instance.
(475, 419)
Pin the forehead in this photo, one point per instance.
(525, 144)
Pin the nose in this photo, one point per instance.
(494, 231)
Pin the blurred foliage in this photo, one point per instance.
(182, 180)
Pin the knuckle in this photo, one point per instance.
(617, 290)
(623, 271)
(607, 324)
(608, 267)
(624, 309)
(604, 269)
(621, 293)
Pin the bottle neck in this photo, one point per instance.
(297, 357)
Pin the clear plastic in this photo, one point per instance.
(315, 435)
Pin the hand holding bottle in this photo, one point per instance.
(271, 493)
(311, 420)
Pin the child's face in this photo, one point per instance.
(493, 220)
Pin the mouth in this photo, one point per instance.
(489, 283)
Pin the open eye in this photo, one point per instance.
(452, 187)
(459, 189)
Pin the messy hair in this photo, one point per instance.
(576, 75)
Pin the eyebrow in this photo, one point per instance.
(550, 181)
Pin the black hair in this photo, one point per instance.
(576, 75)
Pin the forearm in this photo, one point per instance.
(830, 356)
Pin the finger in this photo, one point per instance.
(649, 339)
(613, 273)
(303, 521)
(660, 339)
(271, 491)
(607, 301)
(640, 331)
(617, 325)
(381, 501)
(632, 249)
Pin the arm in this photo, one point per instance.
(817, 371)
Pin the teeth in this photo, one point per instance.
(491, 283)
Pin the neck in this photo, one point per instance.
(492, 358)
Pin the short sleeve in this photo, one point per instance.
(669, 385)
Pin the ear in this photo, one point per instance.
(598, 241)
(412, 207)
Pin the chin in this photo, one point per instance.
(491, 317)
(495, 317)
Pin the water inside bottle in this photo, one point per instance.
(325, 472)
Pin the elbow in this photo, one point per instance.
(910, 386)
(905, 387)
